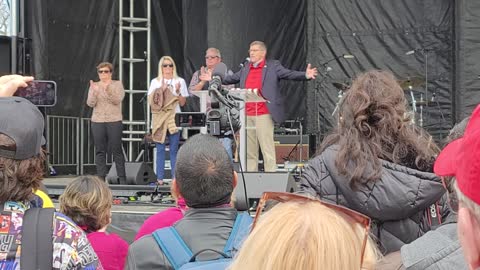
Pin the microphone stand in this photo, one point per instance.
(325, 70)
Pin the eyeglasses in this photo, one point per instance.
(254, 50)
(449, 185)
(281, 197)
(167, 65)
(210, 57)
(103, 71)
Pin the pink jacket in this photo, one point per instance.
(110, 248)
(162, 219)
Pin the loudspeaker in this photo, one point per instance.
(137, 173)
(257, 183)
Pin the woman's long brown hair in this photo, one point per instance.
(372, 126)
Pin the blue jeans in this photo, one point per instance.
(227, 144)
(173, 141)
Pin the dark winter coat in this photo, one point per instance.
(398, 203)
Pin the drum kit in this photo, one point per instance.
(410, 85)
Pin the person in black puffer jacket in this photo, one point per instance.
(378, 163)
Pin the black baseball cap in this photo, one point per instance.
(23, 123)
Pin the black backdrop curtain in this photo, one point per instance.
(467, 75)
(379, 33)
(69, 38)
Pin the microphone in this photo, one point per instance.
(348, 56)
(218, 74)
(215, 86)
(245, 61)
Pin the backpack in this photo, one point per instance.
(37, 237)
(182, 258)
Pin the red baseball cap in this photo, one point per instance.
(461, 158)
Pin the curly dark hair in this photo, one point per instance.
(19, 178)
(372, 126)
(87, 200)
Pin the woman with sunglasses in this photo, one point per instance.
(303, 233)
(105, 97)
(377, 163)
(166, 94)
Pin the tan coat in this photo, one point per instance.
(107, 103)
(162, 103)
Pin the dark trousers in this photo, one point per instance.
(107, 138)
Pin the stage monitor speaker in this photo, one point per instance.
(5, 55)
(137, 173)
(257, 183)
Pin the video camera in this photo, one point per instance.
(223, 119)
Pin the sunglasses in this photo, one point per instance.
(103, 71)
(210, 57)
(167, 65)
(273, 198)
(449, 185)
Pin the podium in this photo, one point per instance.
(246, 95)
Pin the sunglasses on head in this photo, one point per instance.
(103, 71)
(449, 184)
(273, 198)
(167, 65)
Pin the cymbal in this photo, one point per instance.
(341, 86)
(412, 82)
(424, 103)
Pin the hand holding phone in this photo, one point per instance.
(10, 83)
(40, 93)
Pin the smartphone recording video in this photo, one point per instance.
(40, 93)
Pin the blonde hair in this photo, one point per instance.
(87, 200)
(304, 235)
(160, 63)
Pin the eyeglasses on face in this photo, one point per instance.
(282, 197)
(211, 57)
(103, 71)
(254, 50)
(167, 65)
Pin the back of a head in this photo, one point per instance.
(21, 158)
(303, 235)
(87, 200)
(204, 173)
(373, 126)
(375, 103)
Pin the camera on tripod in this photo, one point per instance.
(223, 119)
(219, 121)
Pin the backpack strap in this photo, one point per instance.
(37, 239)
(240, 230)
(173, 246)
